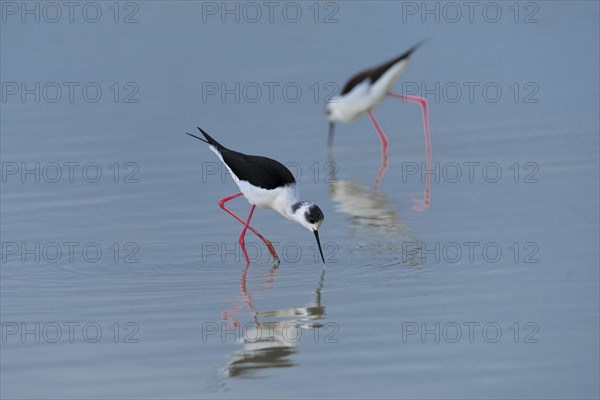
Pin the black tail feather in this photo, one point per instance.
(208, 139)
(409, 52)
(197, 137)
(416, 46)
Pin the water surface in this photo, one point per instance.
(402, 308)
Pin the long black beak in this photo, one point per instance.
(330, 137)
(319, 243)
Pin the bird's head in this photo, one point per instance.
(332, 109)
(310, 216)
(333, 113)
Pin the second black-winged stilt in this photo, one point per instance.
(366, 90)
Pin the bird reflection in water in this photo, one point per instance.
(387, 239)
(274, 335)
(418, 204)
(370, 208)
(367, 208)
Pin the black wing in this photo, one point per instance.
(259, 171)
(373, 74)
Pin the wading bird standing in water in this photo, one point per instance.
(365, 91)
(265, 183)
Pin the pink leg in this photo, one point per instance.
(384, 151)
(248, 296)
(241, 240)
(229, 314)
(261, 237)
(425, 109)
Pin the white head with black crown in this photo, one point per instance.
(310, 216)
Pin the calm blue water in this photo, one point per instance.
(121, 277)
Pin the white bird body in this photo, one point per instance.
(366, 95)
(280, 199)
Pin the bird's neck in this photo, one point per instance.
(287, 202)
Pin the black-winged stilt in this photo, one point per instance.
(265, 183)
(366, 90)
